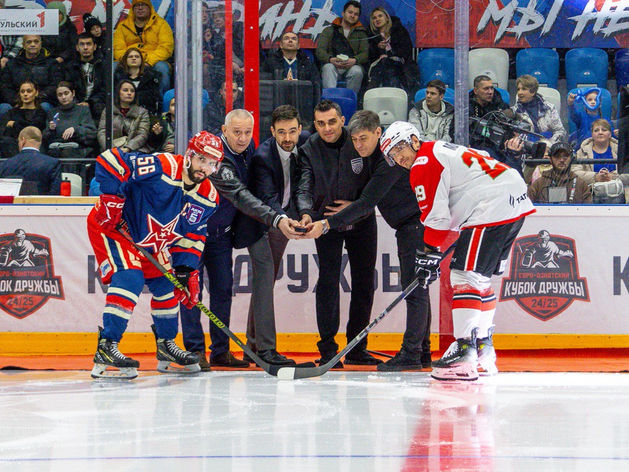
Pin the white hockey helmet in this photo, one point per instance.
(398, 132)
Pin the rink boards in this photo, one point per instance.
(566, 284)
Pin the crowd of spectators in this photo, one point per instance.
(38, 72)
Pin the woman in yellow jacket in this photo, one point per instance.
(150, 33)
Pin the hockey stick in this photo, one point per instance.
(268, 368)
(377, 353)
(290, 373)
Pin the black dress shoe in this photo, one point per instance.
(227, 359)
(361, 357)
(203, 363)
(325, 359)
(273, 357)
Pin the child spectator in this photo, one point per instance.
(132, 67)
(584, 108)
(71, 131)
(94, 27)
(27, 112)
(162, 137)
(62, 46)
(130, 121)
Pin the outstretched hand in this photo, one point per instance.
(338, 206)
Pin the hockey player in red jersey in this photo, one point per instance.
(162, 202)
(465, 190)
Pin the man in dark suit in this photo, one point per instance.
(272, 181)
(32, 165)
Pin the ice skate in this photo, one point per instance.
(108, 355)
(486, 354)
(458, 363)
(173, 359)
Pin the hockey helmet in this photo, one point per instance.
(207, 144)
(398, 132)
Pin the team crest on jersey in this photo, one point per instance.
(194, 214)
(544, 277)
(27, 276)
(160, 236)
(357, 165)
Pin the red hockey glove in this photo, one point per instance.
(109, 210)
(427, 267)
(190, 279)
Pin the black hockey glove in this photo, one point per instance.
(427, 267)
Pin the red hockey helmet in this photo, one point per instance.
(207, 144)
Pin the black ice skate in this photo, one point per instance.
(173, 359)
(458, 362)
(487, 354)
(108, 355)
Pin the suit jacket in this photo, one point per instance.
(34, 166)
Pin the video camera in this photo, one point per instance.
(496, 128)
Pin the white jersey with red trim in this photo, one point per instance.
(458, 187)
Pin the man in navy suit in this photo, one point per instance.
(32, 165)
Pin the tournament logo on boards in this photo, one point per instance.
(27, 276)
(544, 277)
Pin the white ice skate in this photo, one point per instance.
(108, 356)
(173, 359)
(486, 354)
(458, 362)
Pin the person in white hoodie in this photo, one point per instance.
(432, 116)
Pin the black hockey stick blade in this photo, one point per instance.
(268, 368)
(291, 373)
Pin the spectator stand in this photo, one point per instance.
(346, 98)
(492, 62)
(436, 63)
(586, 67)
(391, 104)
(541, 63)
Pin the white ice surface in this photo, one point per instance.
(364, 422)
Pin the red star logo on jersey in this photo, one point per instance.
(160, 236)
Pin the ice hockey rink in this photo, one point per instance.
(354, 421)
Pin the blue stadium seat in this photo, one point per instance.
(541, 63)
(606, 106)
(309, 53)
(586, 67)
(168, 96)
(436, 63)
(621, 64)
(448, 96)
(346, 98)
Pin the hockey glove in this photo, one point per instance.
(109, 210)
(427, 266)
(190, 279)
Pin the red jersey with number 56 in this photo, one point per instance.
(458, 187)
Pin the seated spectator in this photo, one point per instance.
(162, 136)
(27, 112)
(433, 117)
(71, 131)
(601, 145)
(391, 53)
(9, 45)
(32, 165)
(145, 30)
(585, 112)
(32, 63)
(214, 111)
(87, 74)
(534, 109)
(214, 49)
(290, 63)
(61, 47)
(146, 80)
(560, 184)
(130, 121)
(343, 49)
(94, 27)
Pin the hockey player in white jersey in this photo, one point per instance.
(465, 190)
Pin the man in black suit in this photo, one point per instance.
(272, 181)
(32, 165)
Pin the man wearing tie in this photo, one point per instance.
(272, 181)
